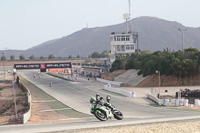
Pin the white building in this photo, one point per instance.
(121, 43)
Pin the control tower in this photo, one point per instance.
(123, 43)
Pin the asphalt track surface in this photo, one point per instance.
(76, 96)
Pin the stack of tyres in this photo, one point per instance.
(189, 93)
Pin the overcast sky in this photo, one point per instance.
(27, 23)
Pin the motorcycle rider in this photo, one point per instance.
(92, 100)
(100, 100)
(107, 104)
(98, 105)
(92, 104)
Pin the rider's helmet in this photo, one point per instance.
(92, 100)
(97, 97)
(108, 98)
(101, 100)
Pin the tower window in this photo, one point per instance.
(123, 38)
(127, 38)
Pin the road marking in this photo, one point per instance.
(54, 109)
(78, 90)
(43, 101)
(76, 118)
(83, 79)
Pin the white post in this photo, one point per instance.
(182, 31)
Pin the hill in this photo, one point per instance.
(154, 34)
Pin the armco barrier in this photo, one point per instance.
(110, 82)
(119, 91)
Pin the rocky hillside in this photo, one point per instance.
(154, 34)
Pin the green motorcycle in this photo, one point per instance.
(104, 111)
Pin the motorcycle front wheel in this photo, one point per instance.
(118, 115)
(101, 115)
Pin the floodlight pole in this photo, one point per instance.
(182, 31)
(158, 81)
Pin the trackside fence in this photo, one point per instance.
(27, 115)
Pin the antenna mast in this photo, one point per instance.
(129, 1)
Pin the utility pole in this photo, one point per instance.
(158, 81)
(182, 31)
(129, 1)
(4, 61)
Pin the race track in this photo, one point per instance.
(77, 97)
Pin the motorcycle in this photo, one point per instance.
(106, 111)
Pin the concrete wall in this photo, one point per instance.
(66, 76)
(119, 91)
(27, 115)
(110, 82)
(164, 102)
(130, 77)
(153, 98)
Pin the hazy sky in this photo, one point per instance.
(27, 23)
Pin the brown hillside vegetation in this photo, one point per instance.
(170, 80)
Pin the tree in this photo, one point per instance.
(41, 57)
(78, 56)
(51, 56)
(166, 61)
(104, 54)
(12, 57)
(118, 64)
(95, 55)
(32, 57)
(70, 57)
(21, 57)
(3, 57)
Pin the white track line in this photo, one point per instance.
(76, 118)
(43, 101)
(54, 109)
